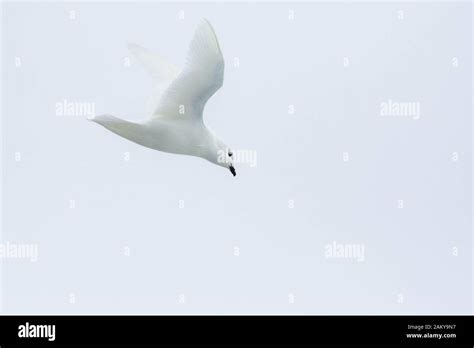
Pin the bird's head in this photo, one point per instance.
(216, 151)
(223, 156)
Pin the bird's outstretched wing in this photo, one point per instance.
(161, 70)
(201, 77)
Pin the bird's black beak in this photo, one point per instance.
(232, 170)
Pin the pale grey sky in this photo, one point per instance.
(125, 229)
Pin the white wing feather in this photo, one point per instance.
(201, 77)
(160, 69)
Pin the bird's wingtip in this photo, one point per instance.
(206, 22)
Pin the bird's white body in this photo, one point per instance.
(173, 135)
(176, 125)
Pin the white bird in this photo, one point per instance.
(176, 125)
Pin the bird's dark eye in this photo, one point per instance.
(230, 154)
